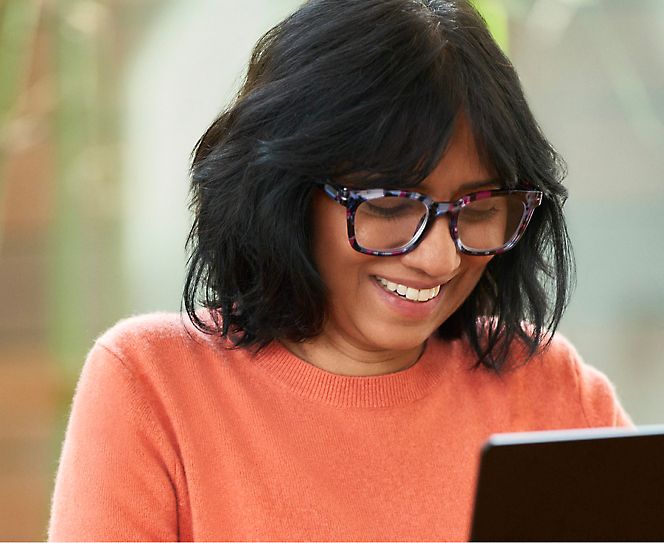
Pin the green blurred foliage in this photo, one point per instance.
(496, 16)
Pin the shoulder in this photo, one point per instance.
(156, 344)
(154, 333)
(596, 393)
(559, 364)
(558, 385)
(151, 328)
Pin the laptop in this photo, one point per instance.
(600, 484)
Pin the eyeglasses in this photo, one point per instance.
(393, 222)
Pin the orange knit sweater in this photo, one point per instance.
(173, 437)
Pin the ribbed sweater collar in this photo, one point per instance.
(388, 390)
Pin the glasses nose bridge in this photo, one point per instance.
(444, 209)
(440, 209)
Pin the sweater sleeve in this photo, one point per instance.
(117, 474)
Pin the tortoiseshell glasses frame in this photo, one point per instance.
(351, 199)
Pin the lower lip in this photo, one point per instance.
(408, 308)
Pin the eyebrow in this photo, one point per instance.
(472, 185)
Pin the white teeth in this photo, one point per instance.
(413, 294)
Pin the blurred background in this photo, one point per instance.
(101, 102)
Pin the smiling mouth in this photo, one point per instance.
(409, 293)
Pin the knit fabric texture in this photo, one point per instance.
(173, 436)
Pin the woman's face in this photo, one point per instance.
(362, 313)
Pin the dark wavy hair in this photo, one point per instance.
(372, 89)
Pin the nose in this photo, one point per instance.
(436, 255)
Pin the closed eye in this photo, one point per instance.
(478, 215)
(391, 207)
(387, 210)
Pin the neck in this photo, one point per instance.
(342, 358)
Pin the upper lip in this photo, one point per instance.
(419, 285)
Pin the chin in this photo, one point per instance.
(398, 338)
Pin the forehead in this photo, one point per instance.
(460, 169)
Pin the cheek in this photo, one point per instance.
(478, 263)
(474, 267)
(331, 249)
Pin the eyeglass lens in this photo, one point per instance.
(391, 222)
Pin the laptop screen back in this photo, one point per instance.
(572, 485)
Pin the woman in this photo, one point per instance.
(368, 317)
